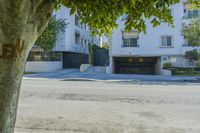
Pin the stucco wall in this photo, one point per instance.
(66, 41)
(150, 43)
(165, 72)
(43, 66)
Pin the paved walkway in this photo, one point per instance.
(75, 74)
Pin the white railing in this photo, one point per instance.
(189, 64)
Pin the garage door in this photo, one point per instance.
(132, 65)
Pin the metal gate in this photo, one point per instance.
(74, 60)
(101, 57)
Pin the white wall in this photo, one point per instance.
(166, 72)
(43, 66)
(150, 43)
(66, 41)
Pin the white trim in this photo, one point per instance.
(144, 55)
(166, 46)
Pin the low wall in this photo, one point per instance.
(92, 69)
(166, 72)
(43, 66)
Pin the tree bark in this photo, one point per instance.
(21, 23)
(11, 72)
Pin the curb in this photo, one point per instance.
(27, 78)
(197, 80)
(131, 80)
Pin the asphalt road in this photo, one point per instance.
(49, 106)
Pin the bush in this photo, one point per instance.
(192, 55)
(186, 71)
(106, 46)
(198, 65)
(167, 65)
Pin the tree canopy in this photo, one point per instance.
(48, 38)
(191, 32)
(101, 15)
(195, 4)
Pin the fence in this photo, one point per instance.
(45, 56)
(101, 57)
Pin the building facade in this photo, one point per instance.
(139, 53)
(73, 43)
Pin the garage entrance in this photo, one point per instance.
(132, 65)
(74, 60)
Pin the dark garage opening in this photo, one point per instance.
(131, 65)
(74, 60)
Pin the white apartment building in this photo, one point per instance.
(139, 53)
(74, 41)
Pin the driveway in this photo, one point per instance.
(51, 106)
(70, 74)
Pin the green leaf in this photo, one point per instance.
(48, 38)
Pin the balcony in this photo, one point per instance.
(190, 14)
(187, 47)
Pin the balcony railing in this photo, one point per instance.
(187, 45)
(189, 63)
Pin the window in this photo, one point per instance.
(166, 41)
(185, 11)
(189, 13)
(77, 38)
(130, 42)
(77, 20)
(193, 13)
(81, 41)
(130, 39)
(124, 17)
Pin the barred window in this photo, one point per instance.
(130, 39)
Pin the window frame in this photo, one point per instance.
(166, 41)
(130, 41)
(77, 20)
(77, 39)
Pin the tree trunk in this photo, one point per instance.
(11, 72)
(21, 23)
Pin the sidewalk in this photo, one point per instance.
(75, 74)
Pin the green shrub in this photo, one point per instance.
(198, 64)
(186, 71)
(192, 55)
(167, 65)
(106, 46)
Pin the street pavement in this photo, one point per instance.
(52, 106)
(75, 74)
